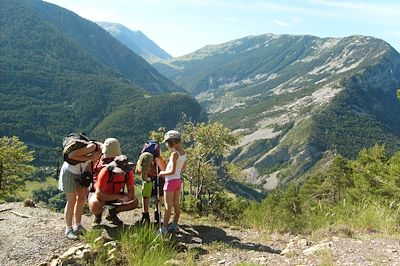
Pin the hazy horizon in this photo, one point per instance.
(183, 26)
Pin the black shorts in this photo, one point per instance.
(154, 189)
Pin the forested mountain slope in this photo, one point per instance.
(51, 83)
(100, 44)
(294, 97)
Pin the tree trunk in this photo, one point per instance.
(198, 179)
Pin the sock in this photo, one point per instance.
(76, 226)
(67, 229)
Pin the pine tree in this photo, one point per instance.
(15, 166)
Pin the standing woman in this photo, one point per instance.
(75, 193)
(173, 180)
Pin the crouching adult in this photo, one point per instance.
(110, 190)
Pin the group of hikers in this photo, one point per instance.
(104, 168)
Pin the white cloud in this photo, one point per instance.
(289, 22)
(281, 23)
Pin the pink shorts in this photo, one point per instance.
(173, 185)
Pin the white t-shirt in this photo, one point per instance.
(76, 169)
(179, 165)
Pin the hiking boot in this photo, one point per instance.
(145, 218)
(97, 220)
(79, 230)
(173, 227)
(113, 218)
(70, 234)
(156, 217)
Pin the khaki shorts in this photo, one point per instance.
(67, 181)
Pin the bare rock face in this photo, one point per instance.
(292, 96)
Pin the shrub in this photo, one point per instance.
(135, 246)
(191, 204)
(228, 208)
(51, 197)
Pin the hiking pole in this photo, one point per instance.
(158, 197)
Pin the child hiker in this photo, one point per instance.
(173, 181)
(148, 165)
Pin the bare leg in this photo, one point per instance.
(168, 204)
(146, 203)
(95, 205)
(69, 208)
(81, 194)
(177, 208)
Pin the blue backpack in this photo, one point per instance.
(152, 147)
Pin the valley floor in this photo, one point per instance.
(30, 236)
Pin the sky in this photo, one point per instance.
(183, 26)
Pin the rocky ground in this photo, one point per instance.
(31, 236)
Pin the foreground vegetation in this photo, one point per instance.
(136, 246)
(359, 195)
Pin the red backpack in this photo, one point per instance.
(100, 164)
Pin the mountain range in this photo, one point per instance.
(293, 98)
(136, 41)
(61, 73)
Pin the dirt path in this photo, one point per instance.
(30, 236)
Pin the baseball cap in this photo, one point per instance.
(172, 134)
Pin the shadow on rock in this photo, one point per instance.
(201, 234)
(113, 232)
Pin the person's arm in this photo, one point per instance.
(107, 197)
(87, 153)
(143, 174)
(130, 195)
(183, 166)
(175, 157)
(160, 162)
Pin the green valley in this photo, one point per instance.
(55, 81)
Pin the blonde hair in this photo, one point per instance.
(173, 142)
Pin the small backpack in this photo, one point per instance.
(99, 165)
(111, 180)
(74, 141)
(152, 147)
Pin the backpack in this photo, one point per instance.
(74, 141)
(111, 180)
(100, 164)
(152, 147)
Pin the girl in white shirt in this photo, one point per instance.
(173, 180)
